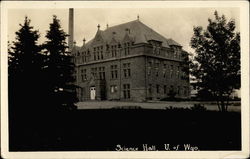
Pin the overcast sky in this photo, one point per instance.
(175, 23)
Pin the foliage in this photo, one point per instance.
(216, 66)
(205, 95)
(23, 68)
(171, 95)
(59, 67)
(198, 107)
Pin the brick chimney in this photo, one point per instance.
(71, 28)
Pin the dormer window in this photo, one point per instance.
(113, 50)
(156, 46)
(127, 48)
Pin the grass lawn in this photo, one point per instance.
(104, 129)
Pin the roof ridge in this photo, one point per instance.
(119, 25)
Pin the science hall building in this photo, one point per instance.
(129, 61)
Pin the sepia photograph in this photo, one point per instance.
(147, 77)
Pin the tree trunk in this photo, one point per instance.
(227, 102)
(223, 108)
(218, 104)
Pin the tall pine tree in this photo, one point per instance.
(59, 68)
(23, 68)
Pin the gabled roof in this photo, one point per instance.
(138, 31)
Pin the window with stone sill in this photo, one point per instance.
(113, 88)
(126, 70)
(102, 73)
(114, 71)
(126, 91)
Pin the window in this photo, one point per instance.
(94, 56)
(94, 72)
(156, 49)
(113, 50)
(175, 52)
(164, 70)
(171, 89)
(83, 75)
(185, 89)
(102, 73)
(126, 70)
(83, 58)
(171, 71)
(98, 55)
(101, 54)
(178, 72)
(114, 71)
(165, 89)
(127, 48)
(149, 67)
(157, 64)
(150, 88)
(88, 55)
(157, 88)
(126, 91)
(113, 88)
(178, 90)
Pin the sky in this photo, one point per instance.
(175, 23)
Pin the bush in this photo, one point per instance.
(198, 107)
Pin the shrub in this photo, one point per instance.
(198, 107)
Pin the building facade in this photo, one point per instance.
(130, 61)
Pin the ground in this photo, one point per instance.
(234, 105)
(104, 129)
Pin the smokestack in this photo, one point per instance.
(71, 28)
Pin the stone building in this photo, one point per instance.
(129, 61)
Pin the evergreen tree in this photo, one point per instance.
(59, 68)
(23, 67)
(216, 66)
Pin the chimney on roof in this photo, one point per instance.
(107, 26)
(98, 26)
(71, 28)
(138, 18)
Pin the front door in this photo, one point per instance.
(92, 93)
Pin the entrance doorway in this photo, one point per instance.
(92, 93)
